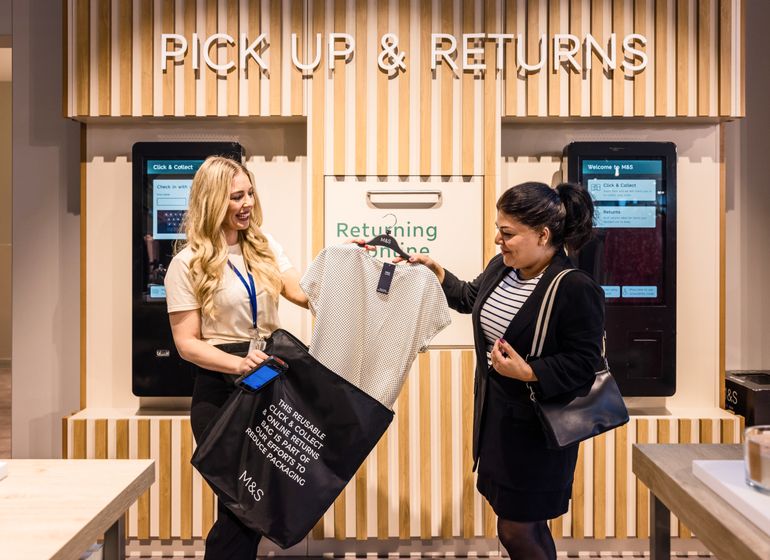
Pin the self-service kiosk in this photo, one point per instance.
(162, 176)
(633, 256)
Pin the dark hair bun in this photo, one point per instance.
(579, 219)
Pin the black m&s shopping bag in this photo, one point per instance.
(278, 458)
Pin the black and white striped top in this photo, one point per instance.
(503, 304)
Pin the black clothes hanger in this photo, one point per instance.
(386, 240)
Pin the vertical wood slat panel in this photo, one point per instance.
(426, 85)
(185, 480)
(361, 501)
(621, 482)
(705, 61)
(146, 31)
(618, 75)
(208, 506)
(340, 104)
(488, 520)
(557, 527)
(682, 57)
(576, 78)
(467, 96)
(578, 496)
(425, 432)
(381, 83)
(532, 56)
(125, 54)
(82, 57)
(445, 83)
(641, 11)
(210, 77)
(445, 443)
(466, 372)
(167, 82)
(727, 430)
(706, 431)
(143, 503)
(253, 71)
(597, 72)
(79, 439)
(100, 438)
(404, 486)
(104, 55)
(685, 436)
(361, 91)
(296, 84)
(276, 27)
(383, 488)
(661, 57)
(554, 76)
(600, 487)
(122, 452)
(340, 517)
(642, 493)
(190, 27)
(234, 75)
(510, 77)
(404, 134)
(164, 479)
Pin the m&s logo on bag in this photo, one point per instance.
(255, 492)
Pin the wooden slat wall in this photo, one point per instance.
(695, 68)
(202, 92)
(376, 124)
(417, 483)
(692, 44)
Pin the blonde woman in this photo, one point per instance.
(222, 291)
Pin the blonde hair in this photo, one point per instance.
(209, 199)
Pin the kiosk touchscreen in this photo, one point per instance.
(633, 256)
(162, 176)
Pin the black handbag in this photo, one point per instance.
(579, 415)
(278, 457)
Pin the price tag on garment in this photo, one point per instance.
(386, 277)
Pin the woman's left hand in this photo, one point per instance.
(508, 363)
(362, 243)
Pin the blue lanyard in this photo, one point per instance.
(252, 291)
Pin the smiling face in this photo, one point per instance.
(239, 208)
(523, 247)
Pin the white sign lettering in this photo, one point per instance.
(567, 51)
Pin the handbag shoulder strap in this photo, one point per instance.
(544, 316)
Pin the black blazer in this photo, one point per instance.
(572, 350)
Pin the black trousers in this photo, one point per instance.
(229, 539)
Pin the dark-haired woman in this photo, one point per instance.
(525, 482)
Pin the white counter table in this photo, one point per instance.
(54, 508)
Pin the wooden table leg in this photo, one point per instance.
(660, 536)
(115, 541)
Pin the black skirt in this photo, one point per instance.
(211, 390)
(519, 476)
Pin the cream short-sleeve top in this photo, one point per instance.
(232, 321)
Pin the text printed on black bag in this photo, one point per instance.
(287, 439)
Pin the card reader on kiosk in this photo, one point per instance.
(633, 256)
